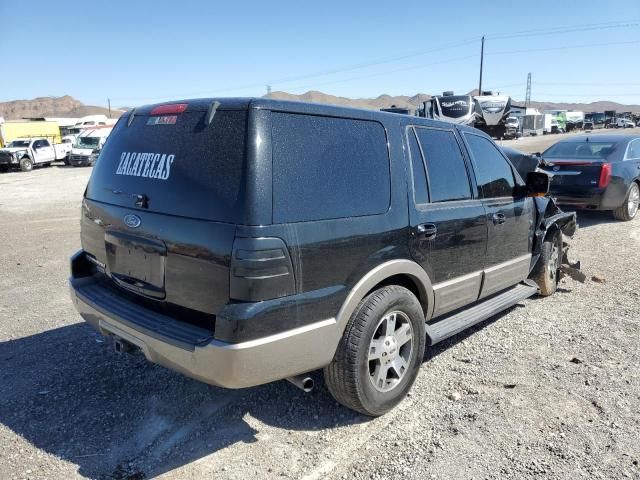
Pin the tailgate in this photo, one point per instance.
(163, 201)
(180, 261)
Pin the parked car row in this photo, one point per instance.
(29, 152)
(590, 172)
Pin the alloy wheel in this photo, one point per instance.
(634, 200)
(390, 351)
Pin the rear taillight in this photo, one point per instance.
(172, 109)
(260, 270)
(605, 175)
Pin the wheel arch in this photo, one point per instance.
(403, 272)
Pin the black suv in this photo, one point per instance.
(241, 241)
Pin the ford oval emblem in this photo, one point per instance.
(132, 221)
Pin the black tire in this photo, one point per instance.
(629, 209)
(349, 376)
(67, 162)
(26, 164)
(4, 168)
(546, 272)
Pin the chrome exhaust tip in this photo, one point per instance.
(303, 382)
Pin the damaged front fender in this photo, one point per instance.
(550, 218)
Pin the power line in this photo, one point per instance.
(318, 73)
(564, 29)
(566, 47)
(578, 84)
(386, 72)
(498, 36)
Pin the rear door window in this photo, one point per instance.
(326, 168)
(420, 193)
(183, 168)
(447, 173)
(493, 173)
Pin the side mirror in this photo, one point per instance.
(537, 154)
(537, 184)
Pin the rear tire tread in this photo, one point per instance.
(340, 374)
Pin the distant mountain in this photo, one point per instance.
(385, 101)
(599, 106)
(382, 101)
(66, 106)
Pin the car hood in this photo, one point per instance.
(81, 151)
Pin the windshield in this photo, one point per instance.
(455, 106)
(88, 142)
(19, 144)
(586, 150)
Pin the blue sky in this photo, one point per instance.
(139, 52)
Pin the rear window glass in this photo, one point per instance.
(325, 168)
(183, 168)
(586, 150)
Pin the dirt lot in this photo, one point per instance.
(549, 389)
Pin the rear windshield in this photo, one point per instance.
(183, 168)
(586, 150)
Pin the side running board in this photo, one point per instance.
(447, 326)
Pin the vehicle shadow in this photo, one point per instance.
(590, 218)
(118, 416)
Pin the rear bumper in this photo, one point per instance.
(193, 351)
(608, 198)
(586, 200)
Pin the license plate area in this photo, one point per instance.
(136, 263)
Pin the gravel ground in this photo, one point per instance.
(548, 389)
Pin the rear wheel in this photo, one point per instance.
(4, 168)
(628, 210)
(26, 164)
(546, 272)
(380, 353)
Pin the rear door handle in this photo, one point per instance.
(498, 218)
(426, 231)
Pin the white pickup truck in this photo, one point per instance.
(25, 153)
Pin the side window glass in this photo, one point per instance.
(446, 170)
(417, 167)
(634, 150)
(37, 144)
(327, 167)
(45, 143)
(493, 172)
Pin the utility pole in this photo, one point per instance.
(481, 62)
(527, 100)
(109, 102)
